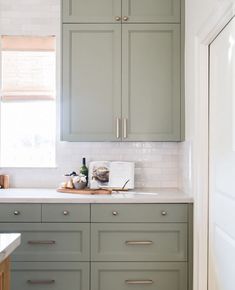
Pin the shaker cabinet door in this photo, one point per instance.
(91, 99)
(91, 11)
(151, 69)
(151, 11)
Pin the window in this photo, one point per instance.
(28, 106)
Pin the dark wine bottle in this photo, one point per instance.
(84, 169)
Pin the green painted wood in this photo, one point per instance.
(151, 70)
(190, 247)
(65, 213)
(91, 100)
(91, 11)
(71, 241)
(139, 213)
(113, 276)
(16, 212)
(151, 11)
(119, 242)
(71, 276)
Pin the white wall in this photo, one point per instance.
(157, 164)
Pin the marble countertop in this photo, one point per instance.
(8, 243)
(144, 195)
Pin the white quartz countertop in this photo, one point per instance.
(8, 243)
(150, 195)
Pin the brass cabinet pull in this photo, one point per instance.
(41, 282)
(139, 242)
(65, 212)
(115, 213)
(117, 18)
(125, 18)
(164, 212)
(42, 242)
(124, 128)
(139, 282)
(16, 212)
(118, 128)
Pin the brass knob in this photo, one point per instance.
(115, 213)
(117, 18)
(16, 212)
(164, 213)
(66, 212)
(125, 18)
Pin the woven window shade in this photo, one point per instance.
(28, 68)
(28, 43)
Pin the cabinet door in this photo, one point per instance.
(151, 11)
(91, 102)
(91, 11)
(151, 82)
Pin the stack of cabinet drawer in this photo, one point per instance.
(55, 245)
(139, 247)
(99, 246)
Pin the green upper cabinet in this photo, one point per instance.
(126, 11)
(122, 70)
(91, 11)
(151, 82)
(91, 82)
(151, 11)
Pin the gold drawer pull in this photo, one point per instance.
(139, 282)
(115, 213)
(65, 212)
(139, 242)
(41, 242)
(16, 212)
(41, 282)
(164, 213)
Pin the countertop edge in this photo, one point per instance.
(10, 247)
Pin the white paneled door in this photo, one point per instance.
(222, 161)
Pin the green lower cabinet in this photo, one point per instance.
(51, 241)
(49, 275)
(150, 276)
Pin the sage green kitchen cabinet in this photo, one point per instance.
(126, 11)
(150, 107)
(122, 70)
(91, 82)
(151, 93)
(115, 247)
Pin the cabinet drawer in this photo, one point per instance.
(139, 242)
(20, 212)
(45, 276)
(65, 213)
(150, 276)
(51, 242)
(139, 213)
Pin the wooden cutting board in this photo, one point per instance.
(85, 191)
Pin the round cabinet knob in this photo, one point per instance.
(65, 212)
(115, 213)
(16, 212)
(117, 18)
(125, 18)
(164, 213)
